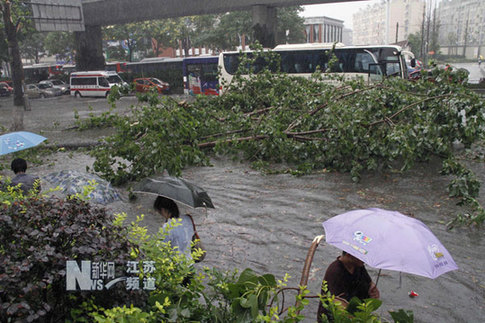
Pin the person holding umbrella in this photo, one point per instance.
(180, 236)
(347, 277)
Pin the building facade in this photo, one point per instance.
(323, 30)
(462, 27)
(387, 22)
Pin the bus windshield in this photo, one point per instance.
(201, 75)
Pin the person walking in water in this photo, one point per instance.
(347, 277)
(179, 236)
(27, 182)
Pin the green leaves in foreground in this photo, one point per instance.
(250, 295)
(307, 125)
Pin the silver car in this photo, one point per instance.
(48, 90)
(57, 84)
(32, 91)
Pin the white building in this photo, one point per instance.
(323, 30)
(462, 27)
(387, 22)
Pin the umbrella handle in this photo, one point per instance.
(308, 263)
(378, 275)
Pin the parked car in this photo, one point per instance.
(5, 89)
(32, 91)
(57, 84)
(48, 90)
(148, 83)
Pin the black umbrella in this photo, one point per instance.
(176, 189)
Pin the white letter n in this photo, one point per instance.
(74, 274)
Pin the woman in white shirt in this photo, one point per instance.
(180, 236)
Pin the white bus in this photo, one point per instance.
(370, 63)
(94, 83)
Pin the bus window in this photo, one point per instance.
(210, 72)
(231, 63)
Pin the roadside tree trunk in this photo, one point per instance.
(16, 66)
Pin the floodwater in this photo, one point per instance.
(267, 222)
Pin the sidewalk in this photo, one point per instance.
(54, 118)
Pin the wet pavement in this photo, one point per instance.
(267, 222)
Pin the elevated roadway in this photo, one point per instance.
(97, 13)
(111, 12)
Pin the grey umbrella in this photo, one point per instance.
(71, 182)
(177, 189)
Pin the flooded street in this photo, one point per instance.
(267, 222)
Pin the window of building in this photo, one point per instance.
(316, 33)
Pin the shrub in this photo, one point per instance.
(37, 236)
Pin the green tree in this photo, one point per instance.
(13, 14)
(3, 48)
(290, 20)
(164, 33)
(132, 34)
(414, 41)
(60, 44)
(32, 45)
(115, 53)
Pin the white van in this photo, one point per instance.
(94, 83)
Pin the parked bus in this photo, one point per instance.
(165, 69)
(118, 67)
(200, 75)
(40, 72)
(367, 62)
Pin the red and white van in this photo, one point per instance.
(94, 83)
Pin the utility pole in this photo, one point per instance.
(427, 35)
(388, 20)
(465, 40)
(434, 36)
(480, 38)
(397, 30)
(421, 50)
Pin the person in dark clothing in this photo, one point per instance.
(347, 277)
(27, 182)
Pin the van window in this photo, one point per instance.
(115, 79)
(83, 81)
(103, 82)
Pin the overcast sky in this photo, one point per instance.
(342, 11)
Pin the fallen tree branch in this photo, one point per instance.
(309, 132)
(223, 134)
(213, 143)
(389, 119)
(322, 106)
(259, 111)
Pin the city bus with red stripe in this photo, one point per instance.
(94, 83)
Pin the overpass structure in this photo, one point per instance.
(99, 13)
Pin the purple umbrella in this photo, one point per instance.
(389, 240)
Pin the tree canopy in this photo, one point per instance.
(217, 32)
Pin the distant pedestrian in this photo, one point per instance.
(27, 182)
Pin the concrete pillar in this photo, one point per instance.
(89, 49)
(264, 25)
